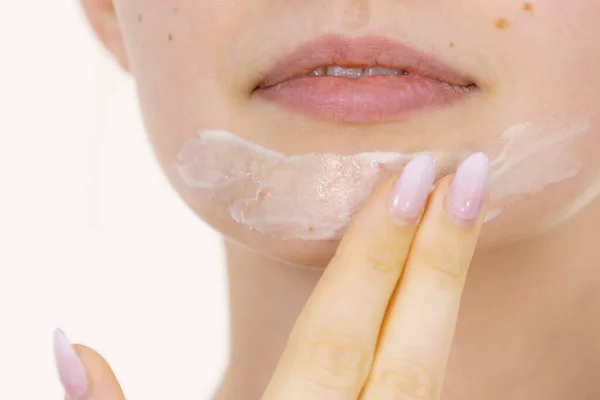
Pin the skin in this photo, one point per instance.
(186, 83)
(374, 346)
(529, 289)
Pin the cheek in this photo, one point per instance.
(547, 69)
(175, 49)
(553, 58)
(571, 177)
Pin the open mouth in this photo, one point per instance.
(361, 80)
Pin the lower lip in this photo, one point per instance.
(369, 99)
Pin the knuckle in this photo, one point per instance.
(404, 380)
(335, 360)
(445, 267)
(383, 258)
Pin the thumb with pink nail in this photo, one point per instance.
(83, 373)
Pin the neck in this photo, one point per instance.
(266, 297)
(519, 333)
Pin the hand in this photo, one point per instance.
(380, 323)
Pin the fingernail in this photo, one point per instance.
(70, 368)
(410, 192)
(468, 189)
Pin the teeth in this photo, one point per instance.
(382, 71)
(318, 72)
(347, 72)
(355, 73)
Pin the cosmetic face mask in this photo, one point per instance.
(313, 196)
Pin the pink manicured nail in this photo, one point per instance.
(410, 192)
(468, 189)
(70, 368)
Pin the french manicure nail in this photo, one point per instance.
(70, 368)
(468, 190)
(410, 192)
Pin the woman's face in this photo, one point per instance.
(516, 80)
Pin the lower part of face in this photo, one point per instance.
(535, 110)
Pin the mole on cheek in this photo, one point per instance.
(451, 44)
(140, 17)
(501, 23)
(528, 7)
(170, 37)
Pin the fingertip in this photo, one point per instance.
(411, 191)
(83, 372)
(437, 218)
(468, 191)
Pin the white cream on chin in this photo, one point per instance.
(313, 196)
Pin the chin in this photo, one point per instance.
(298, 252)
(521, 221)
(295, 252)
(318, 253)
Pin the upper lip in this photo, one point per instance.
(363, 52)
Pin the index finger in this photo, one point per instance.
(330, 350)
(419, 327)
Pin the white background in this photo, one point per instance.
(92, 238)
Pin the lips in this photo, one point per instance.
(361, 80)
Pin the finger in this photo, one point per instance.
(331, 347)
(84, 374)
(418, 330)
